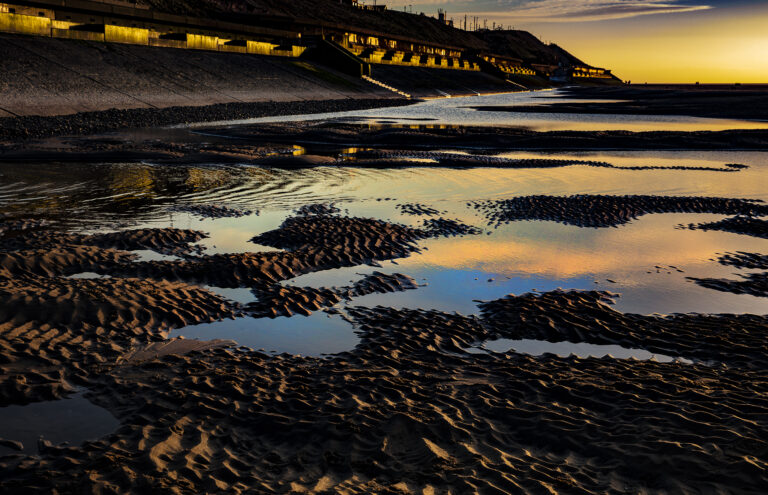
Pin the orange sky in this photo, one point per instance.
(707, 46)
(655, 41)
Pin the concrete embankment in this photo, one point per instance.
(44, 76)
(421, 82)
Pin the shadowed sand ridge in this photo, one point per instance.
(278, 300)
(587, 210)
(409, 409)
(755, 284)
(737, 340)
(435, 420)
(737, 225)
(165, 241)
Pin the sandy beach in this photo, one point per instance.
(108, 257)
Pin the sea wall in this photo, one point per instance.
(83, 76)
(45, 22)
(421, 82)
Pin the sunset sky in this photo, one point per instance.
(710, 41)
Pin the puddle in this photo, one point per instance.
(314, 335)
(74, 420)
(241, 295)
(148, 255)
(565, 349)
(338, 277)
(88, 275)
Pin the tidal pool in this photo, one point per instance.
(566, 349)
(635, 259)
(74, 420)
(315, 335)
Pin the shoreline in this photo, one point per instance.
(24, 128)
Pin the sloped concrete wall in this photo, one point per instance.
(86, 76)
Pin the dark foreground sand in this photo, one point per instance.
(407, 410)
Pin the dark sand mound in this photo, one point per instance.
(130, 306)
(222, 270)
(11, 225)
(447, 227)
(57, 331)
(737, 340)
(61, 261)
(402, 413)
(755, 284)
(417, 209)
(741, 259)
(278, 300)
(362, 238)
(318, 209)
(168, 240)
(312, 242)
(586, 210)
(738, 225)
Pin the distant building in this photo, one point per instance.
(443, 19)
(355, 3)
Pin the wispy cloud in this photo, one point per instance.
(559, 10)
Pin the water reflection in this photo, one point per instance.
(314, 335)
(520, 256)
(566, 349)
(457, 111)
(73, 420)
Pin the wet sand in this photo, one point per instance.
(409, 408)
(274, 145)
(21, 128)
(412, 407)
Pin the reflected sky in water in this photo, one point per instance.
(315, 335)
(74, 419)
(519, 256)
(457, 111)
(453, 273)
(579, 349)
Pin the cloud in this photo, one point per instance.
(563, 10)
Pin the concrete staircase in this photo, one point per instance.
(386, 86)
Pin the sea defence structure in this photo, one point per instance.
(385, 64)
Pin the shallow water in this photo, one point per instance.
(74, 419)
(520, 256)
(565, 349)
(315, 335)
(457, 111)
(646, 261)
